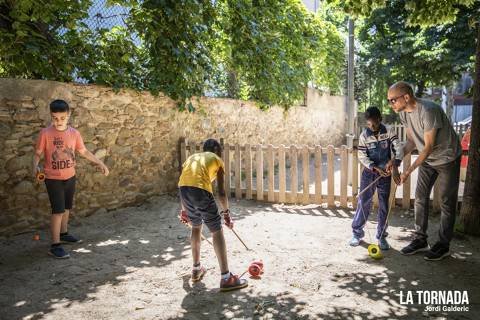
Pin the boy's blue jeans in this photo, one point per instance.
(365, 202)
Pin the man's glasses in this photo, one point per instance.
(394, 100)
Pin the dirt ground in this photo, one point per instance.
(134, 263)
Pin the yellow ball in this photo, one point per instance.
(374, 251)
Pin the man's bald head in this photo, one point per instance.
(400, 96)
(401, 87)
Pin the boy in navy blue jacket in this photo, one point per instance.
(376, 146)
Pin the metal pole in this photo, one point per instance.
(350, 84)
(351, 108)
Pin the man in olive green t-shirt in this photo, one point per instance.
(439, 152)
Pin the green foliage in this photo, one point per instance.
(424, 13)
(274, 48)
(114, 60)
(40, 39)
(392, 50)
(329, 63)
(428, 13)
(49, 40)
(179, 40)
(264, 50)
(359, 7)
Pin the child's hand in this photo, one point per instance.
(35, 171)
(39, 176)
(381, 172)
(103, 169)
(183, 217)
(389, 167)
(227, 219)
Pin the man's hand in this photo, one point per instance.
(392, 169)
(404, 176)
(227, 219)
(396, 175)
(183, 216)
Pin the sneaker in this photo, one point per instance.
(197, 275)
(232, 283)
(438, 252)
(383, 244)
(68, 238)
(58, 252)
(415, 246)
(354, 241)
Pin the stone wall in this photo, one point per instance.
(136, 135)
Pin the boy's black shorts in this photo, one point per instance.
(200, 205)
(60, 193)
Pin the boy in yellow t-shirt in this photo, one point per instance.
(199, 206)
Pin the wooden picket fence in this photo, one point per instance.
(250, 165)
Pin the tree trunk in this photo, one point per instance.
(470, 213)
(447, 94)
(232, 85)
(420, 88)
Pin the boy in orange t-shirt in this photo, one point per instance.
(58, 144)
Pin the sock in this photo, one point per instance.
(196, 266)
(56, 245)
(63, 233)
(226, 275)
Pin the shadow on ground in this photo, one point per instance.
(135, 263)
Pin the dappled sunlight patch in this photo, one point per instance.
(167, 256)
(82, 250)
(329, 213)
(20, 303)
(280, 210)
(343, 213)
(130, 270)
(61, 303)
(304, 250)
(36, 315)
(110, 242)
(462, 255)
(371, 286)
(359, 313)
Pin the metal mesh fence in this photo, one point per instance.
(102, 16)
